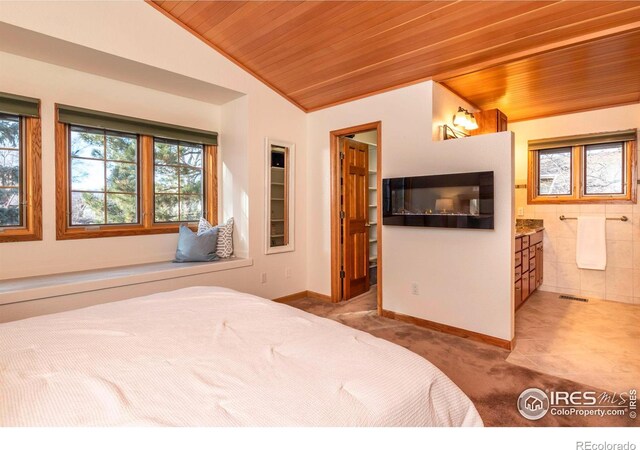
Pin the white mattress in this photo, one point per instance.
(206, 356)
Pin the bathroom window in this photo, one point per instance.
(595, 168)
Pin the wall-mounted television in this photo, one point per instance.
(455, 200)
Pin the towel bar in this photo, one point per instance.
(623, 218)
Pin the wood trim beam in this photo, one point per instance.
(448, 329)
(224, 53)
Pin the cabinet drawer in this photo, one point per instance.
(518, 293)
(532, 264)
(525, 286)
(539, 247)
(525, 260)
(518, 244)
(532, 281)
(518, 273)
(535, 238)
(532, 252)
(525, 242)
(517, 258)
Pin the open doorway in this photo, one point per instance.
(356, 218)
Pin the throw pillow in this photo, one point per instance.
(193, 247)
(225, 236)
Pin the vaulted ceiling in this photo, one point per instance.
(528, 58)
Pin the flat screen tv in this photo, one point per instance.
(455, 200)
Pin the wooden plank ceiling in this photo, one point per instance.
(529, 58)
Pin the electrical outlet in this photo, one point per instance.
(521, 211)
(287, 272)
(263, 277)
(414, 288)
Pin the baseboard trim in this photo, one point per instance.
(455, 331)
(317, 296)
(302, 294)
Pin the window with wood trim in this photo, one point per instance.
(595, 168)
(20, 169)
(119, 176)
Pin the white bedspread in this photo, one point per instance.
(206, 356)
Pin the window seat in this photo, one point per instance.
(33, 288)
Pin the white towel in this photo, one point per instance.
(591, 248)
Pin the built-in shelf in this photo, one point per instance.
(371, 241)
(277, 168)
(277, 235)
(277, 220)
(277, 199)
(273, 183)
(372, 206)
(373, 188)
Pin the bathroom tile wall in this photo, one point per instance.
(621, 279)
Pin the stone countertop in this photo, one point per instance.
(527, 231)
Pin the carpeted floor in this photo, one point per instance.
(480, 370)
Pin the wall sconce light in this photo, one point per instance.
(461, 119)
(464, 119)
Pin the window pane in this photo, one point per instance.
(166, 153)
(190, 207)
(191, 156)
(122, 177)
(190, 181)
(122, 148)
(554, 172)
(178, 183)
(10, 172)
(9, 168)
(604, 168)
(9, 207)
(87, 208)
(121, 208)
(166, 179)
(87, 175)
(166, 208)
(87, 144)
(9, 132)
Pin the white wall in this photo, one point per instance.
(465, 276)
(621, 279)
(445, 105)
(54, 84)
(135, 31)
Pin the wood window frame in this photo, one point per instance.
(578, 175)
(146, 224)
(31, 184)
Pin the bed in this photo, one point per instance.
(209, 356)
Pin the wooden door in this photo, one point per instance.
(355, 224)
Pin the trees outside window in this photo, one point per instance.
(116, 177)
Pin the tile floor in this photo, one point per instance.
(595, 343)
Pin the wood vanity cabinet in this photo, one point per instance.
(528, 261)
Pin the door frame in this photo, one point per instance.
(335, 206)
